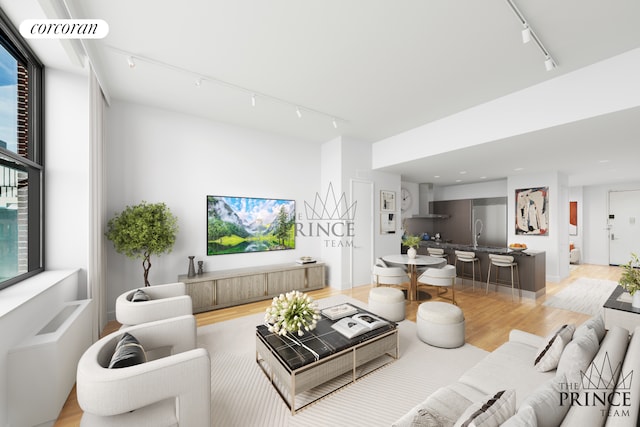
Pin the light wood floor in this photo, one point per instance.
(489, 318)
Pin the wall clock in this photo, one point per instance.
(405, 200)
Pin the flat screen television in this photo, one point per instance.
(249, 224)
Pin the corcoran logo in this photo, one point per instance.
(64, 29)
(601, 386)
(329, 217)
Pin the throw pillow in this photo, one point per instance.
(596, 323)
(525, 417)
(491, 411)
(577, 355)
(545, 402)
(140, 295)
(128, 352)
(548, 355)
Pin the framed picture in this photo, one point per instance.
(387, 223)
(387, 201)
(573, 218)
(532, 211)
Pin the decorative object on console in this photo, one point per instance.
(293, 312)
(143, 230)
(412, 242)
(630, 279)
(247, 224)
(200, 268)
(192, 268)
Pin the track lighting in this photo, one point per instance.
(549, 63)
(526, 34)
(198, 78)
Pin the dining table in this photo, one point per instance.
(413, 264)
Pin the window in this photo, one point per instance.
(21, 163)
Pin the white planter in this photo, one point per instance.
(636, 300)
(411, 252)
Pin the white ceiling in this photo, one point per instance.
(381, 67)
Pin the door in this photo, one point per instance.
(362, 249)
(624, 228)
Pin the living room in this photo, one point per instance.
(154, 153)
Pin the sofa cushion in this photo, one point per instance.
(599, 378)
(492, 411)
(545, 402)
(525, 417)
(128, 352)
(139, 296)
(510, 366)
(596, 323)
(548, 355)
(630, 384)
(577, 355)
(442, 408)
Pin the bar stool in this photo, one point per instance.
(438, 253)
(503, 261)
(466, 257)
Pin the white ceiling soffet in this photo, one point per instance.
(379, 67)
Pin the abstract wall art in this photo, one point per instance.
(532, 211)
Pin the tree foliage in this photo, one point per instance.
(143, 230)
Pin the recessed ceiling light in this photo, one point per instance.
(463, 172)
(483, 177)
(436, 176)
(603, 161)
(458, 180)
(518, 169)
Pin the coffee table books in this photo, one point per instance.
(339, 311)
(358, 324)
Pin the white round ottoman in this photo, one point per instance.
(387, 302)
(440, 324)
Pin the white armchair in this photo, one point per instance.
(168, 300)
(172, 388)
(388, 275)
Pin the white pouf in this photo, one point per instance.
(387, 302)
(440, 324)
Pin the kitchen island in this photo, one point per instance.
(531, 266)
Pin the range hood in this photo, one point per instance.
(425, 200)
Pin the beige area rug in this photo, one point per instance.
(241, 395)
(583, 295)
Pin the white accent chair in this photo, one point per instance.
(168, 300)
(387, 275)
(441, 278)
(172, 388)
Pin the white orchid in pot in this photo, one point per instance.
(293, 312)
(630, 279)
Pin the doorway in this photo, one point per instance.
(624, 226)
(362, 249)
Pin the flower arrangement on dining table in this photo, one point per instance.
(292, 312)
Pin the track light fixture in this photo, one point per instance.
(199, 78)
(528, 34)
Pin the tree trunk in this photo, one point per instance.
(146, 265)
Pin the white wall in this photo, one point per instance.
(67, 173)
(161, 156)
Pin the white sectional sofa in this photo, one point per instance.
(587, 381)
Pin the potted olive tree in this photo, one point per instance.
(630, 279)
(143, 230)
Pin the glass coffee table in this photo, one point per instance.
(308, 368)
